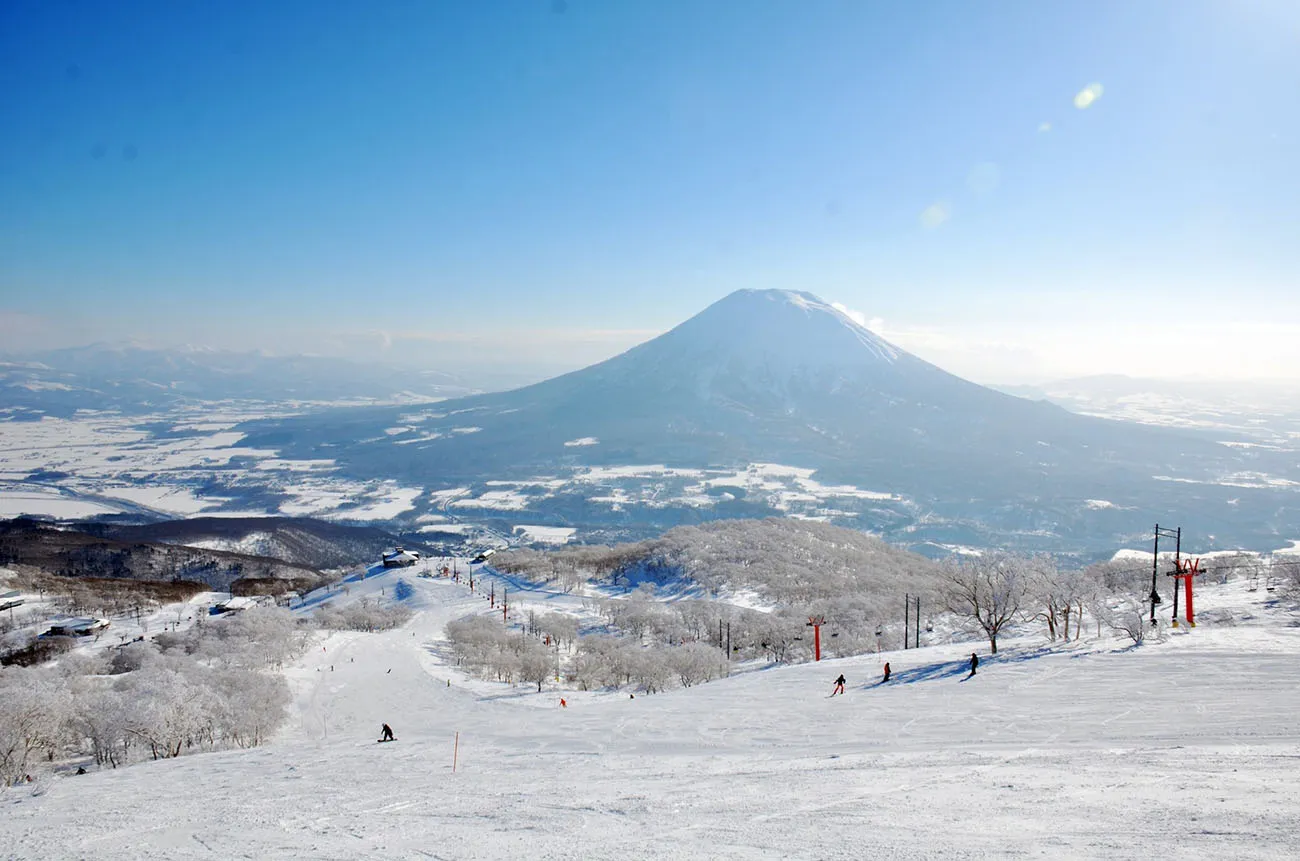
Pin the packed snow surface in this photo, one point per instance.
(1185, 748)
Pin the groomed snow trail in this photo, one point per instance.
(1186, 749)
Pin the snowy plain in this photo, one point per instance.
(1186, 748)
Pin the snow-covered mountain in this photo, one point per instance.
(769, 376)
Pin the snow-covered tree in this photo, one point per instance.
(100, 717)
(252, 705)
(987, 589)
(1058, 597)
(35, 707)
(560, 627)
(696, 662)
(363, 615)
(536, 662)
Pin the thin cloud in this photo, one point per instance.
(935, 214)
(1044, 127)
(1089, 94)
(856, 316)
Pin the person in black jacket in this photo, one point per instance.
(388, 733)
(974, 662)
(839, 685)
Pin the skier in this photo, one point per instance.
(839, 685)
(388, 734)
(974, 662)
(886, 671)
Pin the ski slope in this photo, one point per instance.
(1188, 748)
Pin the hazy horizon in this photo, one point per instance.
(510, 373)
(1017, 193)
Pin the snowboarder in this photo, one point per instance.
(388, 734)
(563, 704)
(839, 685)
(974, 662)
(886, 671)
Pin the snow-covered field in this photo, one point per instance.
(105, 463)
(1186, 748)
(189, 462)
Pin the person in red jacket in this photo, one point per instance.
(886, 671)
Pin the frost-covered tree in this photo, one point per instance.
(774, 633)
(560, 627)
(987, 589)
(649, 668)
(165, 706)
(536, 662)
(1130, 618)
(1058, 597)
(252, 705)
(696, 662)
(100, 717)
(363, 615)
(603, 661)
(35, 707)
(1284, 572)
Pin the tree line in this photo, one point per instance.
(209, 687)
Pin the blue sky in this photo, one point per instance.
(549, 182)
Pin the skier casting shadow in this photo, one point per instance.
(387, 734)
(974, 662)
(886, 678)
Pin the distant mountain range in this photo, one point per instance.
(134, 379)
(766, 376)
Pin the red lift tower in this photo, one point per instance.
(816, 622)
(1185, 570)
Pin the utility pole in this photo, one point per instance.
(907, 619)
(1178, 567)
(917, 620)
(1177, 535)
